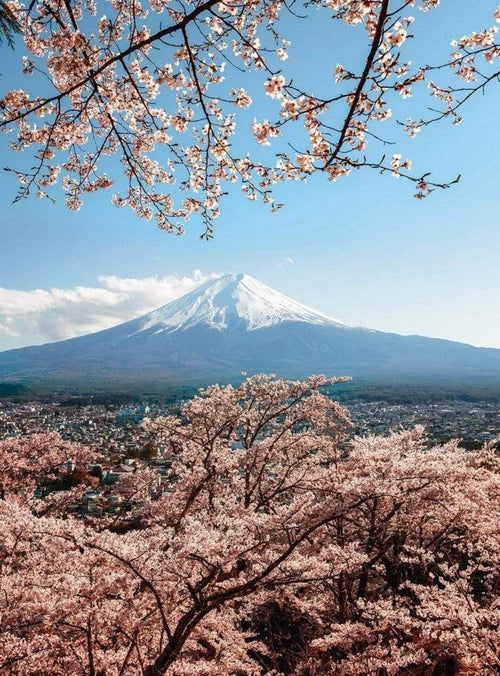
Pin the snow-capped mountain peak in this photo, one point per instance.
(233, 324)
(230, 300)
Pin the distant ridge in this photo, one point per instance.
(233, 324)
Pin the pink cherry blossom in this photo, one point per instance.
(147, 82)
(270, 544)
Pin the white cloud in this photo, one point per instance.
(6, 327)
(284, 262)
(40, 315)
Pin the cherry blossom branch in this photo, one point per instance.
(382, 17)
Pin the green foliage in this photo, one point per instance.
(12, 389)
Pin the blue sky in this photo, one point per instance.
(362, 250)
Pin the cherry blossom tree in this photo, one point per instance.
(146, 82)
(275, 547)
(8, 24)
(25, 461)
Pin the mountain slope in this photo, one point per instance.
(235, 324)
(228, 301)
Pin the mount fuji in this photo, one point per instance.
(233, 324)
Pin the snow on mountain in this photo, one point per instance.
(236, 324)
(228, 301)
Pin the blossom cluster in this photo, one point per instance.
(274, 544)
(145, 81)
